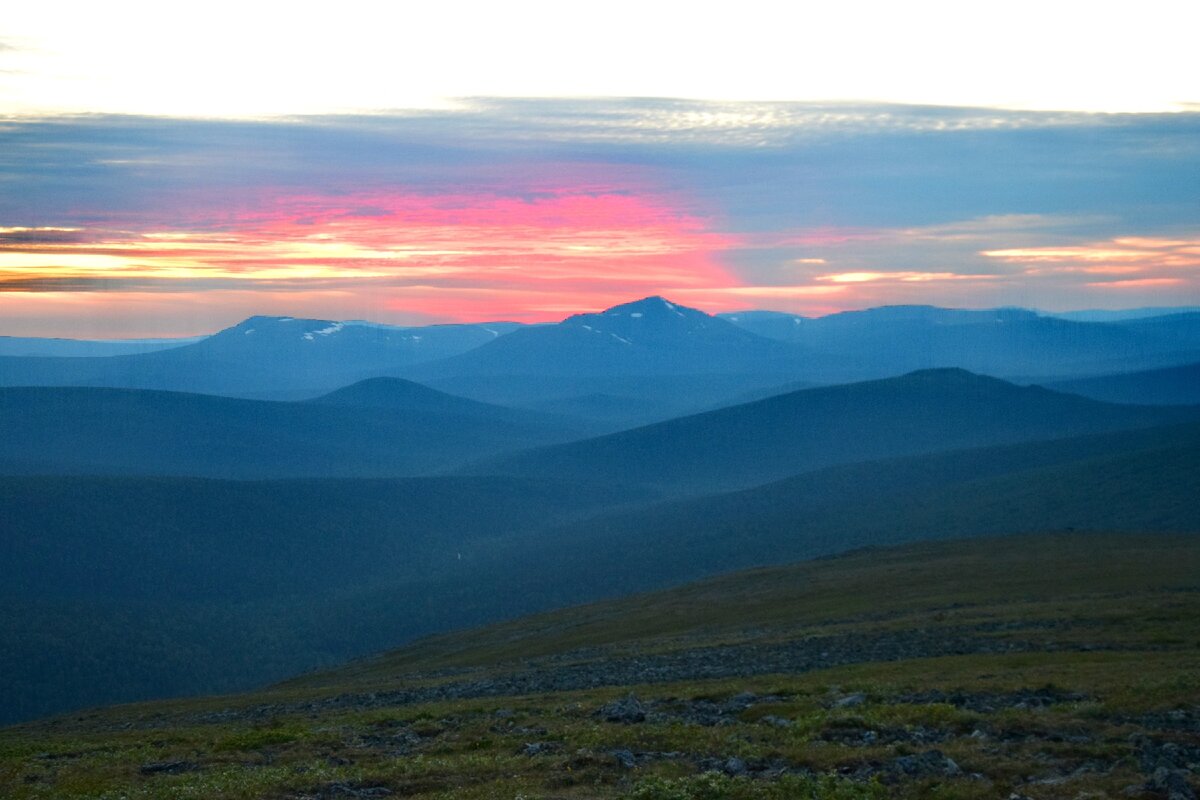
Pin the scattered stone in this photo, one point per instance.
(851, 700)
(628, 710)
(777, 722)
(1153, 755)
(989, 702)
(625, 758)
(168, 767)
(734, 767)
(742, 701)
(339, 789)
(1173, 782)
(540, 748)
(930, 764)
(566, 672)
(856, 735)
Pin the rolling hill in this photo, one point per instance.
(1168, 386)
(83, 430)
(742, 445)
(116, 589)
(182, 586)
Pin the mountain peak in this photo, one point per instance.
(653, 305)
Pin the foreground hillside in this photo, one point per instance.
(1046, 666)
(119, 589)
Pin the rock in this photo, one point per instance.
(1172, 781)
(168, 767)
(851, 700)
(932, 763)
(777, 722)
(742, 701)
(628, 710)
(734, 766)
(341, 789)
(539, 748)
(625, 758)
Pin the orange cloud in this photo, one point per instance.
(1125, 253)
(531, 257)
(904, 277)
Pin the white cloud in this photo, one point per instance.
(253, 59)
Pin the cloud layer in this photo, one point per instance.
(535, 209)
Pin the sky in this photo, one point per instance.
(169, 169)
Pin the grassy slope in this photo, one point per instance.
(1137, 598)
(903, 582)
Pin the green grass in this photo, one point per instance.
(1136, 596)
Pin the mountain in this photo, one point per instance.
(276, 357)
(1118, 315)
(118, 588)
(85, 430)
(652, 336)
(1001, 341)
(173, 543)
(756, 442)
(28, 346)
(398, 396)
(1169, 386)
(115, 588)
(1137, 480)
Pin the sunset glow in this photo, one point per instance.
(534, 210)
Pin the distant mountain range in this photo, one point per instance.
(634, 363)
(1005, 342)
(273, 357)
(808, 429)
(25, 346)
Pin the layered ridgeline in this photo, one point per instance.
(118, 562)
(1047, 666)
(277, 357)
(379, 427)
(1006, 342)
(1167, 386)
(135, 579)
(637, 362)
(812, 428)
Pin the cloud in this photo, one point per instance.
(1153, 258)
(567, 242)
(905, 277)
(551, 206)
